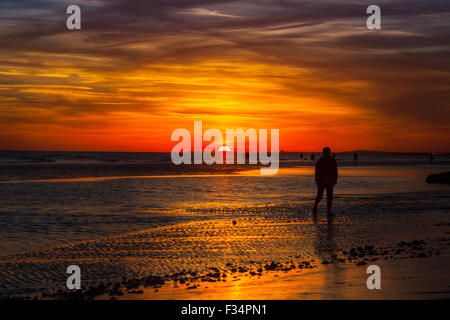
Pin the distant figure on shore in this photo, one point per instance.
(313, 157)
(301, 156)
(431, 157)
(326, 178)
(355, 157)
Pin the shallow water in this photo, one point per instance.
(45, 213)
(157, 224)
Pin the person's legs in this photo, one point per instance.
(318, 198)
(329, 199)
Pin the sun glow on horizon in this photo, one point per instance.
(122, 87)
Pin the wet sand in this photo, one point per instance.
(254, 253)
(401, 279)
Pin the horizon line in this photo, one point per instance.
(281, 151)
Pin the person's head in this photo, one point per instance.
(326, 151)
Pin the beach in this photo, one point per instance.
(143, 231)
(178, 150)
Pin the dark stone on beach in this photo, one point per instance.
(139, 291)
(443, 178)
(272, 266)
(154, 281)
(192, 287)
(234, 222)
(361, 263)
(95, 291)
(325, 262)
(116, 293)
(132, 284)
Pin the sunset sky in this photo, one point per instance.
(137, 70)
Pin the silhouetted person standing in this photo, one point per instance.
(326, 178)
